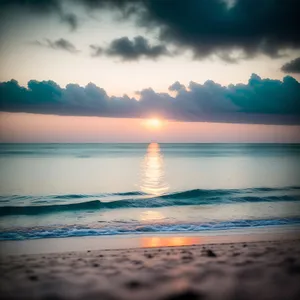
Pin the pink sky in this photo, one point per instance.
(31, 49)
(21, 127)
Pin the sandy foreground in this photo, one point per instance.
(247, 270)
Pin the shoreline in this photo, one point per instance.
(87, 243)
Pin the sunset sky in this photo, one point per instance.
(95, 70)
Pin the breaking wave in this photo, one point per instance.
(139, 228)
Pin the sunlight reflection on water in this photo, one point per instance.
(152, 172)
(150, 215)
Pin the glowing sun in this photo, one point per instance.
(153, 123)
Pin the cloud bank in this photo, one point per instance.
(262, 101)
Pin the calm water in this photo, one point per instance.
(61, 190)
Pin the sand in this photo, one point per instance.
(248, 270)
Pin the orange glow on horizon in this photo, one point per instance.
(37, 128)
(153, 123)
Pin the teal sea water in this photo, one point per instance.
(63, 190)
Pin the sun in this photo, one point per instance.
(153, 123)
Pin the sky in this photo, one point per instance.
(95, 70)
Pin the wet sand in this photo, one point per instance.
(247, 270)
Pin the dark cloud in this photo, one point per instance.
(241, 30)
(134, 49)
(292, 66)
(41, 8)
(61, 44)
(262, 101)
(210, 26)
(246, 27)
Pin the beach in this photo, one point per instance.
(150, 150)
(150, 221)
(246, 268)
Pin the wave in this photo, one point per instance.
(190, 197)
(139, 228)
(67, 196)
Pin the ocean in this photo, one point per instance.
(70, 190)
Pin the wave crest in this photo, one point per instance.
(189, 197)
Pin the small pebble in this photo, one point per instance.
(210, 253)
(33, 278)
(133, 284)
